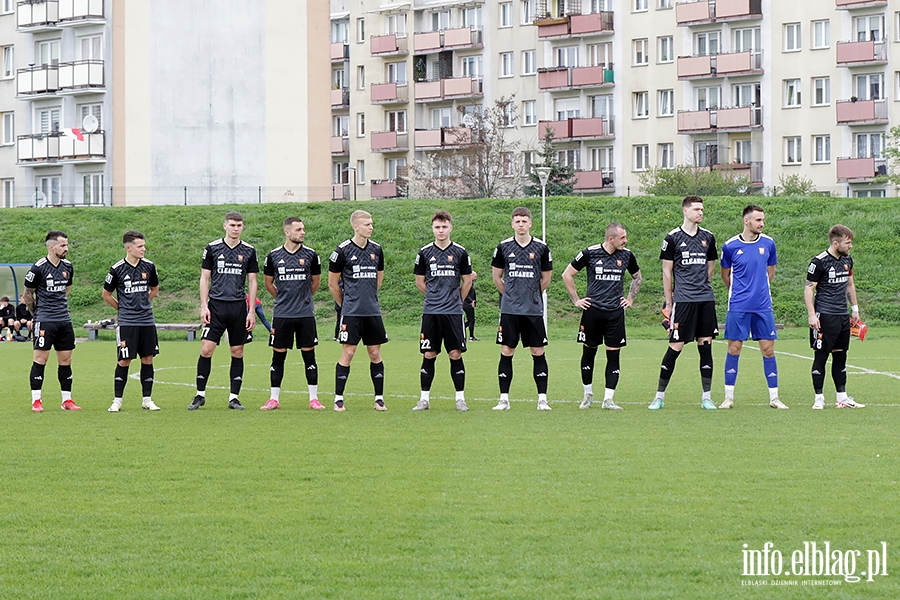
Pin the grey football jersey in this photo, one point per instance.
(50, 284)
(522, 267)
(832, 275)
(443, 270)
(293, 273)
(606, 274)
(359, 268)
(229, 267)
(132, 287)
(690, 254)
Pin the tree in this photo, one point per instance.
(561, 181)
(892, 153)
(484, 162)
(796, 185)
(685, 180)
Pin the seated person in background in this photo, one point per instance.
(7, 314)
(24, 318)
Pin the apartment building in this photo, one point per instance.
(759, 88)
(136, 102)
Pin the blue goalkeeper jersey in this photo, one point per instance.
(749, 263)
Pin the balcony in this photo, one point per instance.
(51, 14)
(385, 188)
(861, 169)
(389, 93)
(443, 138)
(852, 4)
(59, 147)
(390, 141)
(427, 42)
(462, 38)
(340, 98)
(76, 77)
(720, 65)
(388, 45)
(340, 191)
(599, 76)
(340, 146)
(602, 180)
(861, 54)
(741, 118)
(862, 112)
(576, 26)
(340, 52)
(695, 13)
(429, 91)
(462, 87)
(597, 128)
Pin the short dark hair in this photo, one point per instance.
(290, 221)
(839, 232)
(751, 208)
(4, 299)
(130, 236)
(234, 216)
(688, 200)
(442, 215)
(613, 228)
(521, 211)
(54, 235)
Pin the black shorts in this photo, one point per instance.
(448, 329)
(834, 334)
(368, 329)
(598, 326)
(530, 329)
(230, 316)
(286, 331)
(58, 335)
(136, 340)
(693, 320)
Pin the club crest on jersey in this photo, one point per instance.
(531, 255)
(618, 263)
(703, 243)
(65, 274)
(762, 250)
(449, 258)
(302, 261)
(240, 258)
(372, 256)
(846, 268)
(143, 276)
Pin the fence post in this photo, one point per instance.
(185, 195)
(629, 191)
(110, 195)
(259, 197)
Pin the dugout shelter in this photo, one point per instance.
(12, 281)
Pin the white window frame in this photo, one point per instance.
(471, 17)
(744, 94)
(528, 9)
(664, 4)
(529, 113)
(640, 55)
(395, 24)
(640, 105)
(665, 49)
(666, 155)
(360, 77)
(506, 12)
(567, 108)
(47, 52)
(472, 66)
(360, 124)
(599, 6)
(507, 68)
(340, 32)
(702, 98)
(871, 149)
(51, 187)
(793, 150)
(529, 62)
(8, 191)
(599, 55)
(868, 34)
(396, 72)
(391, 165)
(90, 47)
(640, 6)
(9, 129)
(792, 95)
(9, 62)
(820, 34)
(360, 30)
(340, 126)
(361, 171)
(665, 103)
(92, 189)
(440, 20)
(440, 117)
(793, 41)
(601, 158)
(9, 7)
(743, 152)
(868, 78)
(508, 162)
(50, 112)
(641, 157)
(568, 157)
(601, 106)
(707, 43)
(821, 145)
(821, 91)
(567, 56)
(740, 43)
(395, 120)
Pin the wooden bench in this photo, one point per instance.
(191, 328)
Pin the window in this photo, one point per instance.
(529, 112)
(48, 119)
(340, 172)
(395, 120)
(666, 103)
(707, 97)
(440, 117)
(90, 47)
(471, 17)
(391, 165)
(897, 25)
(792, 155)
(440, 20)
(508, 114)
(530, 158)
(506, 14)
(869, 145)
(509, 164)
(340, 125)
(506, 64)
(601, 158)
(706, 43)
(598, 6)
(663, 4)
(396, 72)
(567, 108)
(360, 77)
(527, 12)
(338, 79)
(9, 62)
(821, 91)
(599, 55)
(395, 24)
(666, 154)
(8, 189)
(529, 63)
(792, 37)
(569, 157)
(8, 6)
(601, 106)
(706, 154)
(743, 152)
(822, 148)
(93, 188)
(869, 28)
(745, 94)
(641, 105)
(641, 157)
(869, 194)
(361, 29)
(360, 171)
(640, 52)
(821, 34)
(665, 49)
(870, 87)
(340, 32)
(9, 128)
(791, 92)
(360, 124)
(471, 66)
(640, 5)
(50, 189)
(747, 40)
(567, 56)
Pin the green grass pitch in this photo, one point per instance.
(439, 504)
